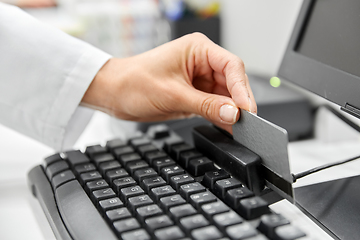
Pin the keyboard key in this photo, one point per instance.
(61, 178)
(224, 220)
(139, 234)
(115, 143)
(269, 222)
(161, 163)
(94, 150)
(241, 231)
(82, 168)
(76, 157)
(152, 182)
(128, 192)
(191, 188)
(56, 168)
(96, 185)
(199, 199)
(139, 142)
(139, 201)
(142, 150)
(178, 180)
(158, 131)
(192, 222)
(126, 225)
(111, 203)
(157, 222)
(101, 194)
(176, 150)
(173, 141)
(254, 207)
(136, 165)
(171, 201)
(51, 159)
(148, 211)
(211, 177)
(168, 172)
(130, 157)
(123, 183)
(208, 233)
(182, 211)
(163, 191)
(150, 157)
(116, 173)
(211, 209)
(233, 196)
(222, 186)
(170, 233)
(288, 232)
(120, 151)
(117, 214)
(185, 157)
(102, 158)
(89, 176)
(110, 165)
(199, 166)
(141, 174)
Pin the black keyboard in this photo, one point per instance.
(157, 186)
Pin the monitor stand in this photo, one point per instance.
(334, 205)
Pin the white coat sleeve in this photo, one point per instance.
(44, 74)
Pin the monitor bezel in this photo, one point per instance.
(326, 81)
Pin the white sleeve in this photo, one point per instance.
(44, 74)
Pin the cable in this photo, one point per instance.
(325, 166)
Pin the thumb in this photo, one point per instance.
(216, 108)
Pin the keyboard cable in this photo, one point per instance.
(320, 168)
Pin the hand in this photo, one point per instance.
(35, 3)
(190, 75)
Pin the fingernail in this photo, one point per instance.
(228, 113)
(250, 107)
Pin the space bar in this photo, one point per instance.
(80, 216)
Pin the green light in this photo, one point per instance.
(275, 82)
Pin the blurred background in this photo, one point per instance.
(256, 31)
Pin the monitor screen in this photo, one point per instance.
(323, 55)
(332, 34)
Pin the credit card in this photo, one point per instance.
(270, 142)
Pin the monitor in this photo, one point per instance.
(323, 55)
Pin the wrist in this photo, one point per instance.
(99, 93)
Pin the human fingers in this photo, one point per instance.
(232, 68)
(218, 109)
(253, 106)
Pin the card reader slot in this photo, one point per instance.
(230, 155)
